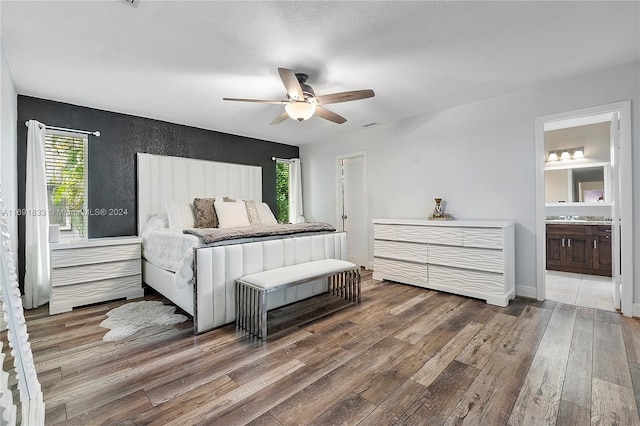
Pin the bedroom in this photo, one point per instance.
(474, 146)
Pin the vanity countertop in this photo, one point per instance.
(578, 220)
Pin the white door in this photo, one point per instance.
(616, 225)
(353, 206)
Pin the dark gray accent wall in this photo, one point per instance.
(112, 157)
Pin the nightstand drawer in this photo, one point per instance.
(95, 272)
(90, 255)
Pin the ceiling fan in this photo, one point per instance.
(302, 103)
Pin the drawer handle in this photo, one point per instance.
(569, 242)
(595, 244)
(563, 242)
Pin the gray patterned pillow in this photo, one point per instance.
(252, 212)
(205, 213)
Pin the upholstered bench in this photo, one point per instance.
(343, 280)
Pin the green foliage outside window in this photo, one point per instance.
(65, 181)
(282, 192)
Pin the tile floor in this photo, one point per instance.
(589, 291)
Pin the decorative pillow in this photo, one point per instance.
(180, 215)
(231, 214)
(205, 213)
(252, 212)
(265, 214)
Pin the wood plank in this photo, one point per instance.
(631, 335)
(613, 404)
(609, 352)
(350, 410)
(442, 395)
(259, 404)
(215, 407)
(390, 410)
(439, 362)
(491, 397)
(480, 348)
(635, 378)
(577, 382)
(539, 397)
(526, 333)
(329, 389)
(572, 414)
(115, 411)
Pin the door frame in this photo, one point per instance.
(339, 199)
(624, 183)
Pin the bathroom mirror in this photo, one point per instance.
(583, 184)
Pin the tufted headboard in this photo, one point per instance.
(162, 179)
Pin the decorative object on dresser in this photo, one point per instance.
(579, 248)
(469, 257)
(438, 212)
(130, 318)
(94, 270)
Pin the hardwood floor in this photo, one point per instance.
(405, 355)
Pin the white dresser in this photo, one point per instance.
(467, 257)
(94, 270)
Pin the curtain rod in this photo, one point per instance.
(84, 132)
(284, 160)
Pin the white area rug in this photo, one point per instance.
(127, 319)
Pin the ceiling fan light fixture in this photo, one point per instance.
(300, 110)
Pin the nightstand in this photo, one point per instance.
(94, 270)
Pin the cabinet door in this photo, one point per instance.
(556, 253)
(602, 255)
(579, 250)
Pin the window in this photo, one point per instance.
(282, 191)
(65, 160)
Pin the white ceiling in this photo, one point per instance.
(176, 60)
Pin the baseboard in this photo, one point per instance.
(527, 291)
(636, 310)
(369, 266)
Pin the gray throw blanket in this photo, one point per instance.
(214, 235)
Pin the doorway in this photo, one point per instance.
(614, 196)
(352, 205)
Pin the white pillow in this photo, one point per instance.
(180, 215)
(265, 214)
(231, 214)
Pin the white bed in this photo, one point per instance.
(210, 300)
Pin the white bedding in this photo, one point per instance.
(169, 249)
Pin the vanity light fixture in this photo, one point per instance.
(566, 154)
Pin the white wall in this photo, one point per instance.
(8, 160)
(478, 157)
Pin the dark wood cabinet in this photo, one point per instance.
(583, 249)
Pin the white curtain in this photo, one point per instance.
(296, 214)
(37, 282)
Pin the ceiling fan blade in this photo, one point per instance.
(291, 83)
(353, 95)
(259, 101)
(279, 119)
(329, 115)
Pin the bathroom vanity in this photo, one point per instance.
(579, 245)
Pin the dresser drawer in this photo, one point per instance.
(467, 257)
(482, 237)
(413, 273)
(414, 252)
(467, 281)
(385, 232)
(430, 234)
